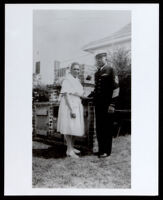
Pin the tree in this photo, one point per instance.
(121, 61)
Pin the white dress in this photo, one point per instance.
(65, 124)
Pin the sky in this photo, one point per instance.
(61, 34)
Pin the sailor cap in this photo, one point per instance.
(100, 54)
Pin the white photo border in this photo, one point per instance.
(18, 99)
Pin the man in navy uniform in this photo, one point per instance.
(104, 95)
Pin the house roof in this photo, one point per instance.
(120, 35)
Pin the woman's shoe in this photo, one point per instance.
(71, 154)
(76, 150)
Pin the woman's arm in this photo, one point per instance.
(73, 115)
(66, 95)
(80, 95)
(77, 94)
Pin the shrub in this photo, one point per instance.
(40, 94)
(121, 61)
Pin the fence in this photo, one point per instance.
(45, 122)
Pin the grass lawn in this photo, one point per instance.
(52, 169)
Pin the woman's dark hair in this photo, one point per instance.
(73, 64)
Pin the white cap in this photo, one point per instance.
(100, 53)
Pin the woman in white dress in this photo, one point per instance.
(70, 115)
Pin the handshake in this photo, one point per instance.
(82, 96)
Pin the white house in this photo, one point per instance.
(119, 39)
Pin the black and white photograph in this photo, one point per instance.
(81, 117)
(82, 99)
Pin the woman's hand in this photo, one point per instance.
(73, 115)
(84, 97)
(88, 98)
(81, 96)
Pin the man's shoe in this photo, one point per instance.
(104, 155)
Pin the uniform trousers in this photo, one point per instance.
(104, 128)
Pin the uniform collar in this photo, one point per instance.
(103, 67)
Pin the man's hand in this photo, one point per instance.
(111, 109)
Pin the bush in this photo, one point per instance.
(121, 61)
(40, 94)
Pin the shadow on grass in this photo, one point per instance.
(55, 150)
(50, 152)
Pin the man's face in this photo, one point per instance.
(101, 61)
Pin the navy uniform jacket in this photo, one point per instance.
(106, 86)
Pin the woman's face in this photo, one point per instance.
(75, 70)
